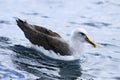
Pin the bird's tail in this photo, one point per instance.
(24, 26)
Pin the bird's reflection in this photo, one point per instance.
(36, 63)
(70, 70)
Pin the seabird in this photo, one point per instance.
(50, 40)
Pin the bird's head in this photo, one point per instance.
(80, 35)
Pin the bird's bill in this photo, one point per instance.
(91, 42)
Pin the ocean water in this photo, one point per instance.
(101, 19)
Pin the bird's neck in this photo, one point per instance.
(77, 46)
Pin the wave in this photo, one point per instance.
(52, 54)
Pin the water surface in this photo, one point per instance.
(101, 18)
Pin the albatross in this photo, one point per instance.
(51, 40)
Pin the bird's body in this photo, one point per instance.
(44, 37)
(48, 39)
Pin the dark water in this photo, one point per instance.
(101, 18)
(36, 63)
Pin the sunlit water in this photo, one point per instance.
(101, 18)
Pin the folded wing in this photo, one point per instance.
(44, 37)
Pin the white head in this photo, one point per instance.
(78, 38)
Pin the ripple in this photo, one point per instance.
(4, 42)
(73, 23)
(4, 39)
(117, 78)
(99, 3)
(31, 13)
(96, 24)
(113, 59)
(90, 24)
(108, 44)
(96, 54)
(10, 73)
(85, 17)
(45, 16)
(117, 51)
(4, 22)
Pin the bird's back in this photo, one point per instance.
(44, 37)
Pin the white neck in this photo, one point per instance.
(76, 45)
(77, 40)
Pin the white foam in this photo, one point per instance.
(54, 55)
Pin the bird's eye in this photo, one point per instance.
(82, 33)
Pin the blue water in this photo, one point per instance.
(101, 18)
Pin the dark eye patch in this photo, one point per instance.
(82, 33)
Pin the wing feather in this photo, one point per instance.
(44, 37)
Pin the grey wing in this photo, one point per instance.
(50, 43)
(59, 46)
(45, 31)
